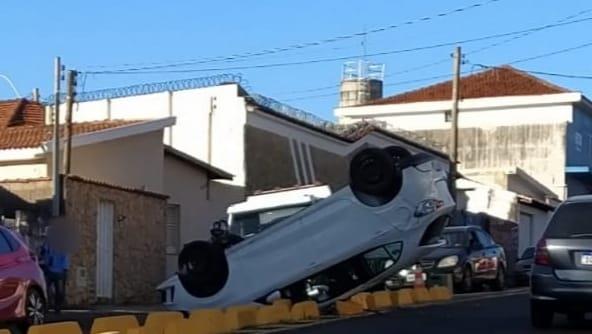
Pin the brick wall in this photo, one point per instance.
(138, 239)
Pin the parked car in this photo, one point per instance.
(561, 278)
(22, 284)
(470, 255)
(405, 278)
(523, 267)
(340, 245)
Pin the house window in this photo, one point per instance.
(590, 146)
(448, 116)
(578, 140)
(173, 229)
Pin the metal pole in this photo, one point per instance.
(454, 116)
(68, 121)
(57, 194)
(36, 95)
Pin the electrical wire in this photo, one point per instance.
(196, 61)
(333, 59)
(445, 60)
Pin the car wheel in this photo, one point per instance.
(500, 279)
(374, 177)
(541, 316)
(35, 308)
(467, 281)
(202, 268)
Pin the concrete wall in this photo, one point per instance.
(579, 139)
(482, 112)
(187, 187)
(192, 110)
(23, 170)
(330, 168)
(537, 149)
(134, 161)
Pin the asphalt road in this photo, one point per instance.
(507, 314)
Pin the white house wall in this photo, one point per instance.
(23, 170)
(435, 119)
(191, 108)
(187, 187)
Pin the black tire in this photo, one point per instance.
(500, 279)
(202, 268)
(467, 284)
(541, 316)
(35, 309)
(374, 177)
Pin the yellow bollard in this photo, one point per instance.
(365, 299)
(348, 308)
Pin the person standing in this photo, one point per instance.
(55, 263)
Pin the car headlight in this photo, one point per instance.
(404, 272)
(449, 261)
(427, 206)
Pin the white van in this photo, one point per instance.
(266, 209)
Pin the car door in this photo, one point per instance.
(476, 254)
(9, 280)
(491, 253)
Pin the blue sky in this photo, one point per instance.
(107, 32)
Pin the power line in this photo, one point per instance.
(553, 53)
(323, 60)
(554, 74)
(364, 33)
(446, 60)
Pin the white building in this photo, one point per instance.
(507, 119)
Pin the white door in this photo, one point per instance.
(104, 279)
(526, 232)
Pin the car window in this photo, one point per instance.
(4, 245)
(378, 260)
(474, 240)
(528, 253)
(484, 239)
(455, 239)
(571, 220)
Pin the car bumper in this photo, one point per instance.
(456, 273)
(548, 289)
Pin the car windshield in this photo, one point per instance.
(571, 221)
(454, 239)
(249, 224)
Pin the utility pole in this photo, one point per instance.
(71, 83)
(454, 118)
(57, 191)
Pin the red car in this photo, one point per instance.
(22, 284)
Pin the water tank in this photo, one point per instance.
(361, 83)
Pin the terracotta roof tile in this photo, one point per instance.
(495, 82)
(21, 112)
(27, 136)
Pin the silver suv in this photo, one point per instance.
(561, 278)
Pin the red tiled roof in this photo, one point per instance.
(21, 112)
(27, 136)
(495, 82)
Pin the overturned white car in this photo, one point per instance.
(392, 213)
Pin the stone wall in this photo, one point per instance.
(138, 238)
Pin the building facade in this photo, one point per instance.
(507, 119)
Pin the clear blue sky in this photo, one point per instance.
(86, 33)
